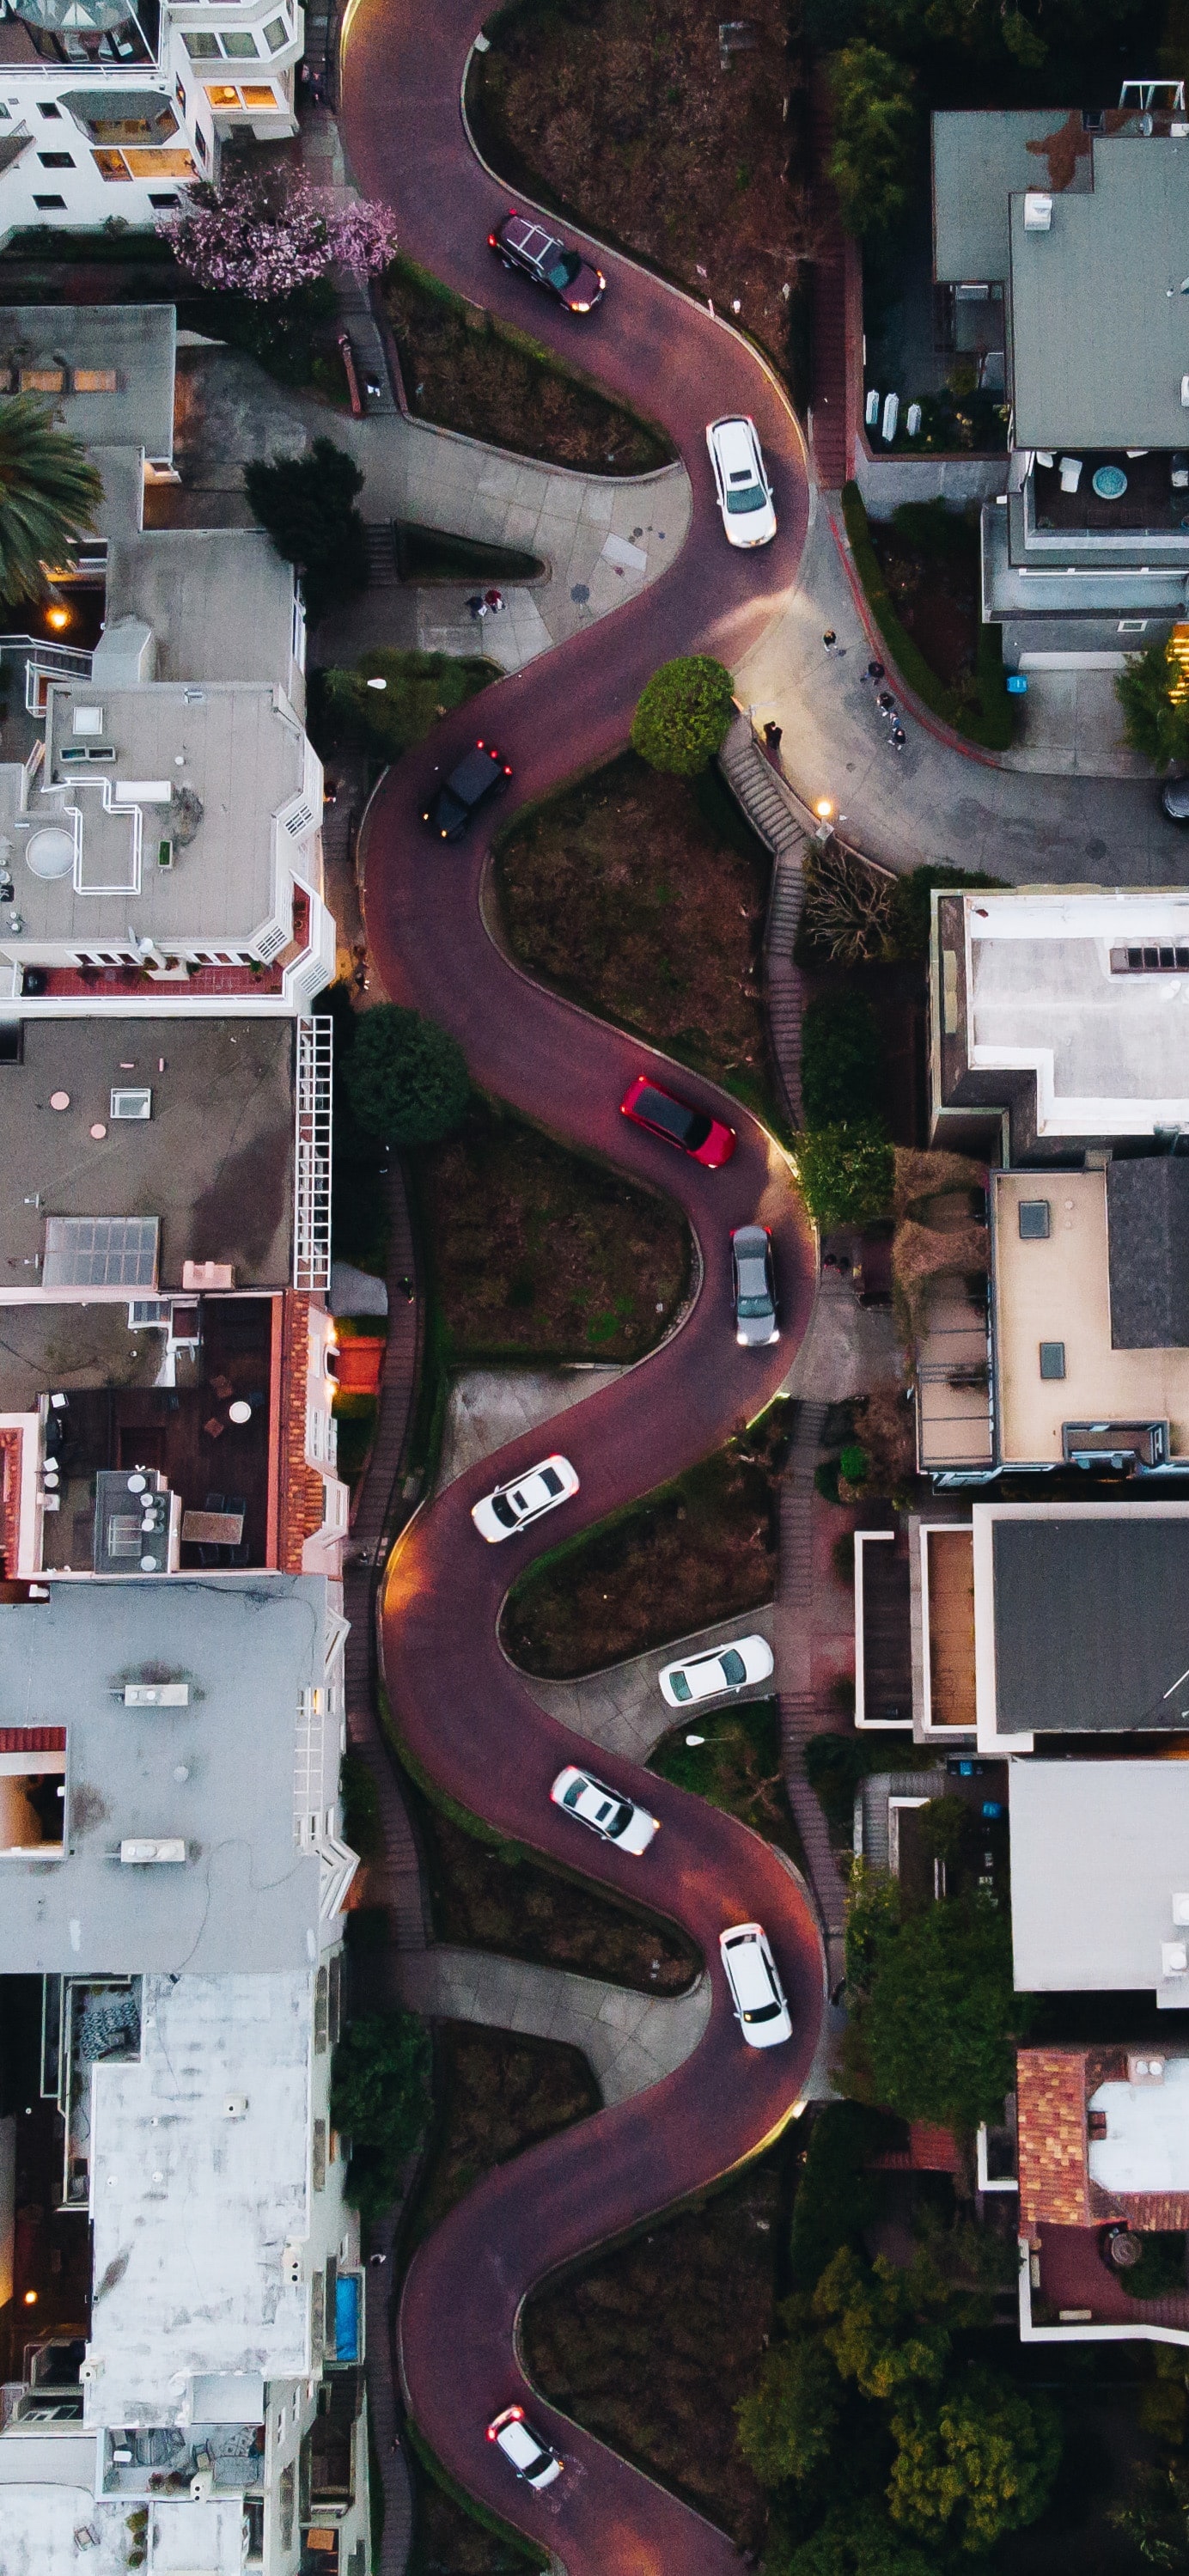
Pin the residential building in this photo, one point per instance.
(111, 108)
(164, 1256)
(1103, 2147)
(1045, 222)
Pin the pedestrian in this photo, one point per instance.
(406, 1289)
(494, 600)
(886, 703)
(899, 737)
(376, 2259)
(772, 739)
(874, 672)
(478, 606)
(830, 640)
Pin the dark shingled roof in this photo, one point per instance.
(1091, 1623)
(1148, 1237)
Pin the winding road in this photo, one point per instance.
(462, 1711)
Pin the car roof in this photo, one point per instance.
(472, 775)
(532, 238)
(735, 442)
(521, 2445)
(749, 1241)
(749, 1972)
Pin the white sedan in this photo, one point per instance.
(724, 1668)
(756, 1991)
(741, 482)
(512, 1507)
(533, 2460)
(614, 1818)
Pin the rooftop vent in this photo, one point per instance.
(156, 1694)
(1038, 212)
(1174, 1959)
(140, 1853)
(208, 1274)
(1034, 1220)
(235, 2106)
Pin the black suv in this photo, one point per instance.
(480, 773)
(523, 244)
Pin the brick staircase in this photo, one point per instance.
(761, 794)
(382, 569)
(800, 1713)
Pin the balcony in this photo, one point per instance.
(162, 2460)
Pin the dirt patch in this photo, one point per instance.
(698, 1550)
(936, 599)
(467, 372)
(644, 897)
(652, 2346)
(622, 109)
(737, 1767)
(486, 1897)
(539, 1253)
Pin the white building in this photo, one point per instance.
(109, 107)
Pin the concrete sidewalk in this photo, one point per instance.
(932, 801)
(630, 2040)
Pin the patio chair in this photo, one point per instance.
(1071, 473)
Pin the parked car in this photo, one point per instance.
(533, 2460)
(480, 773)
(753, 1288)
(724, 1668)
(523, 243)
(693, 1130)
(630, 1828)
(756, 1991)
(741, 482)
(1174, 796)
(511, 1507)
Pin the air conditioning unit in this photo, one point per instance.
(139, 1853)
(1038, 212)
(156, 1694)
(235, 2106)
(208, 1274)
(1174, 1959)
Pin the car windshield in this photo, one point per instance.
(755, 1305)
(688, 1125)
(551, 1480)
(576, 1791)
(733, 1666)
(503, 1510)
(564, 270)
(752, 497)
(681, 1688)
(766, 2012)
(615, 1818)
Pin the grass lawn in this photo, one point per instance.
(469, 373)
(537, 1253)
(651, 2346)
(695, 1551)
(620, 109)
(486, 1897)
(738, 1768)
(644, 897)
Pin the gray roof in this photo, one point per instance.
(245, 1898)
(1148, 1241)
(214, 1161)
(1098, 1852)
(1099, 342)
(979, 157)
(1091, 1622)
(136, 340)
(219, 600)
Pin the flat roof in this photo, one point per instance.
(246, 1897)
(190, 2209)
(1148, 1219)
(1090, 1631)
(1099, 329)
(38, 2523)
(213, 1162)
(205, 768)
(1109, 1050)
(980, 155)
(136, 343)
(217, 599)
(1098, 1851)
(1146, 2147)
(1062, 1287)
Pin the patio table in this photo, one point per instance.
(1110, 482)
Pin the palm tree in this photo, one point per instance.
(49, 494)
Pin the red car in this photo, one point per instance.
(692, 1130)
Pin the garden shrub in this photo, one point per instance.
(841, 1062)
(846, 1175)
(405, 1078)
(683, 714)
(993, 722)
(1160, 2270)
(379, 2098)
(837, 2197)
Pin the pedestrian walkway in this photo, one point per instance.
(830, 409)
(621, 1708)
(762, 794)
(800, 1712)
(630, 2040)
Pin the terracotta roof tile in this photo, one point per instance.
(1053, 2148)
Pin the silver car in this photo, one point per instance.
(753, 1284)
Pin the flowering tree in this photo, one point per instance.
(257, 238)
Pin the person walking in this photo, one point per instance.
(874, 672)
(830, 640)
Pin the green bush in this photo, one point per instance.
(975, 2463)
(874, 132)
(841, 1062)
(683, 715)
(912, 910)
(941, 2019)
(834, 1766)
(307, 505)
(362, 1824)
(837, 2197)
(853, 1463)
(418, 688)
(847, 1175)
(994, 723)
(1160, 2270)
(405, 1078)
(379, 2097)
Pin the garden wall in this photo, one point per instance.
(886, 481)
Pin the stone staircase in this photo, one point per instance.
(382, 569)
(761, 794)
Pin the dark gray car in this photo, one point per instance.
(754, 1287)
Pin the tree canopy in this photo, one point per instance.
(406, 1079)
(941, 2018)
(1155, 721)
(847, 1174)
(978, 2462)
(788, 2423)
(379, 2098)
(307, 505)
(853, 2540)
(683, 714)
(49, 493)
(875, 125)
(418, 688)
(841, 1061)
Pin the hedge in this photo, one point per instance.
(994, 723)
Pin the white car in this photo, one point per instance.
(756, 1990)
(723, 1668)
(532, 2459)
(512, 1507)
(614, 1818)
(741, 482)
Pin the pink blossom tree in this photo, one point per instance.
(258, 238)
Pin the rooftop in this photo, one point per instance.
(1099, 328)
(39, 2521)
(982, 156)
(1108, 1282)
(1099, 1855)
(190, 2208)
(212, 1164)
(217, 599)
(1057, 987)
(1090, 1629)
(108, 368)
(223, 1773)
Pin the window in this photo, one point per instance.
(1034, 1220)
(220, 94)
(32, 1789)
(48, 111)
(200, 143)
(200, 47)
(1133, 626)
(111, 165)
(321, 2012)
(56, 160)
(240, 48)
(92, 380)
(50, 205)
(260, 96)
(1052, 1359)
(318, 2160)
(276, 34)
(165, 205)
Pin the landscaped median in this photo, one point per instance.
(984, 713)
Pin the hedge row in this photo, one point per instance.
(994, 723)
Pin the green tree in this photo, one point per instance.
(853, 2540)
(875, 127)
(947, 1829)
(941, 2019)
(405, 1078)
(976, 2463)
(872, 1925)
(841, 1062)
(881, 2324)
(379, 2098)
(788, 2422)
(837, 2196)
(1155, 703)
(49, 493)
(683, 714)
(418, 688)
(307, 505)
(847, 1174)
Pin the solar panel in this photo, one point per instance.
(100, 1252)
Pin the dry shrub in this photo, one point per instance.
(848, 904)
(926, 1175)
(921, 1252)
(885, 1429)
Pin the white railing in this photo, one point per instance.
(311, 1197)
